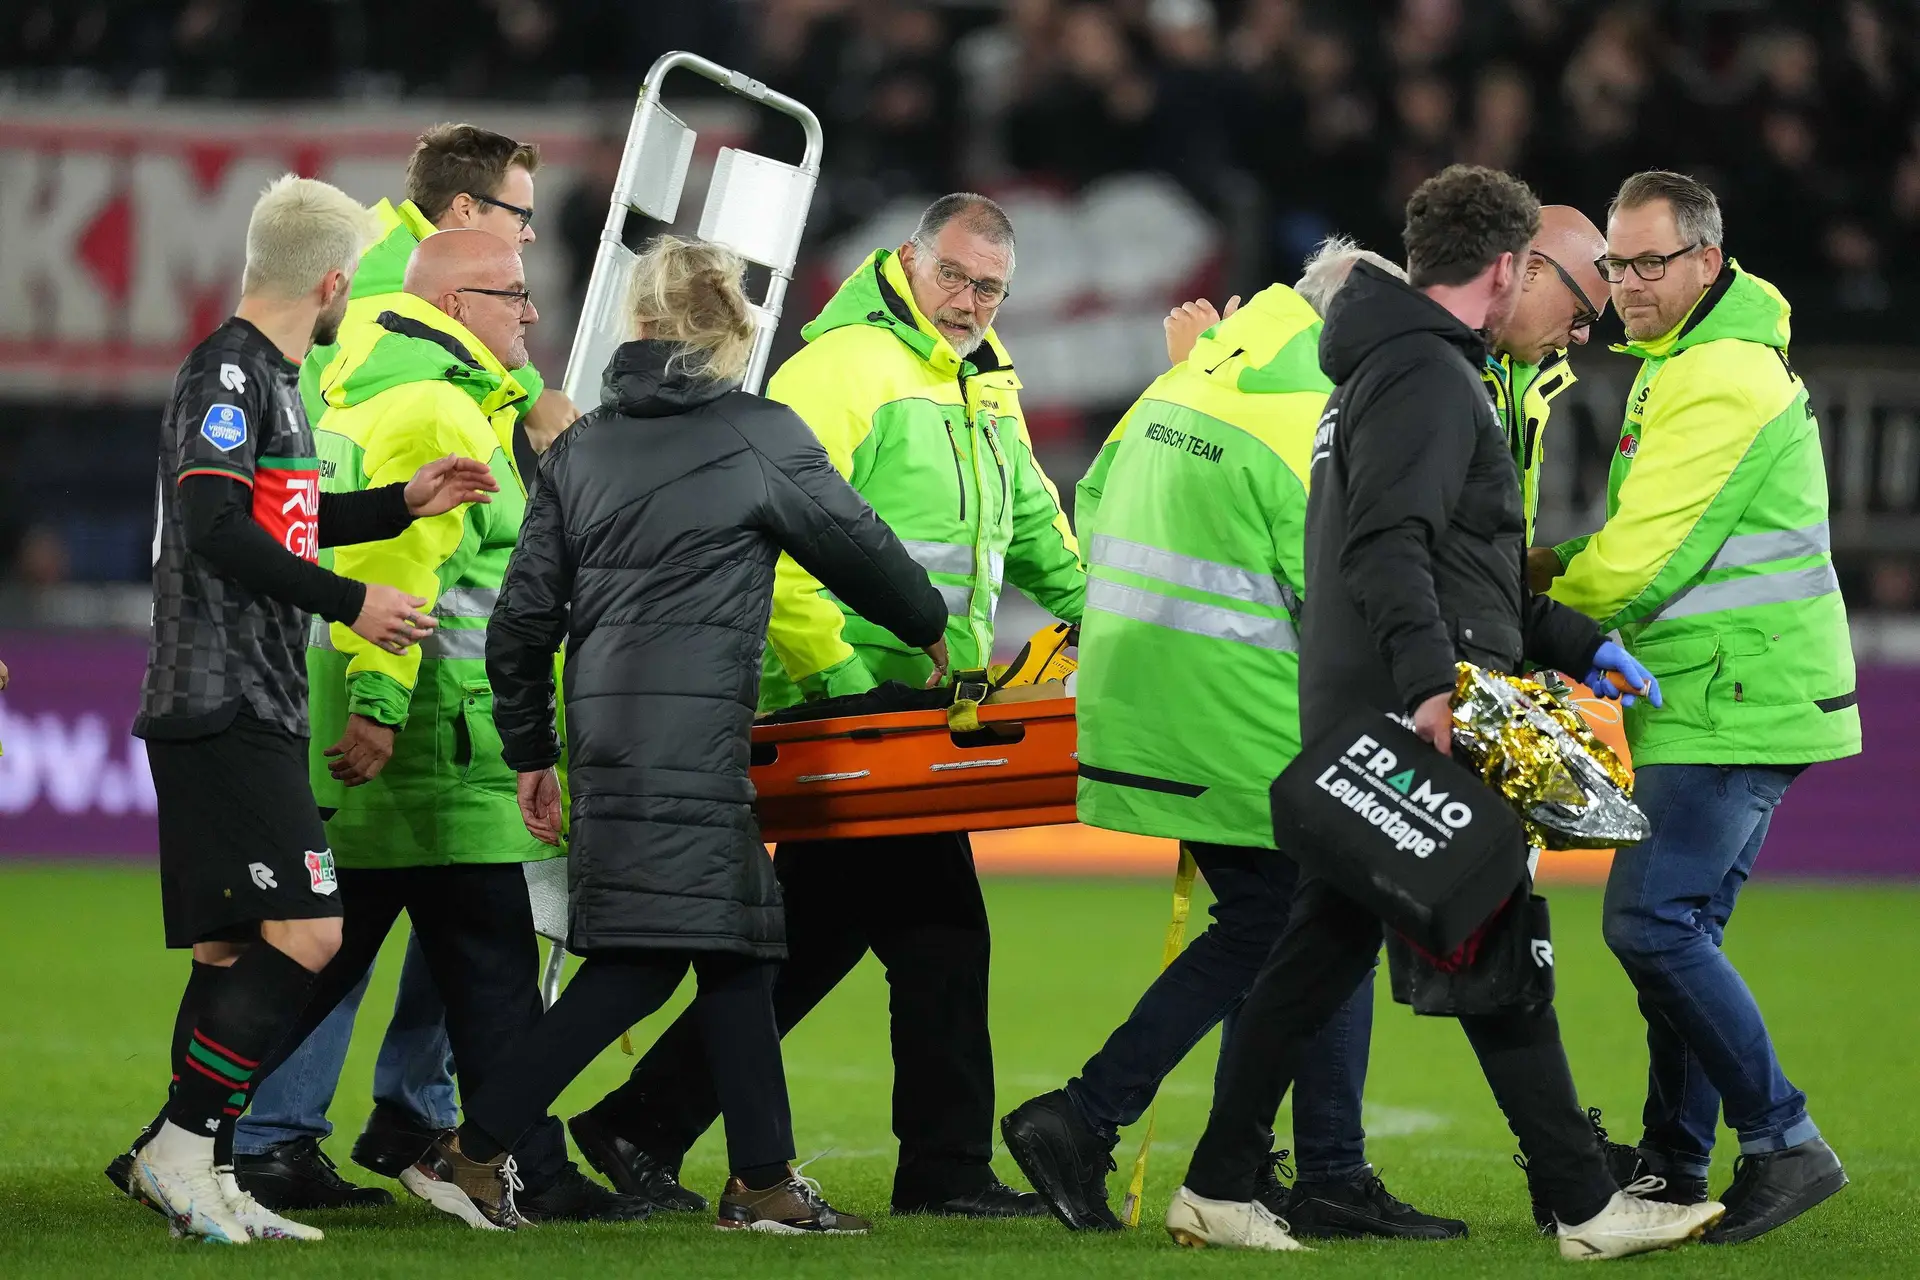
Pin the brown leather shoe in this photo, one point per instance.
(478, 1192)
(792, 1208)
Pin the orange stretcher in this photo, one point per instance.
(909, 773)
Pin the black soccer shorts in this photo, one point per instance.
(240, 838)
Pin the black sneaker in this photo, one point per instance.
(1772, 1188)
(393, 1141)
(995, 1200)
(1623, 1166)
(119, 1170)
(1362, 1206)
(1654, 1178)
(574, 1197)
(298, 1175)
(1267, 1187)
(1623, 1161)
(1064, 1159)
(632, 1171)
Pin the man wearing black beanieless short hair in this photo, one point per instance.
(1414, 546)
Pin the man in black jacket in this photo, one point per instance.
(1415, 539)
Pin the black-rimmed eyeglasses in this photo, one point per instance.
(1588, 314)
(522, 298)
(1648, 266)
(525, 215)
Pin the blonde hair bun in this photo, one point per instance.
(689, 292)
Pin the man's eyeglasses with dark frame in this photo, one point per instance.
(988, 293)
(1588, 315)
(1648, 266)
(525, 215)
(522, 298)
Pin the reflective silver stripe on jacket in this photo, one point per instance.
(941, 557)
(1775, 544)
(319, 634)
(466, 602)
(1197, 619)
(456, 643)
(1809, 583)
(1187, 571)
(959, 598)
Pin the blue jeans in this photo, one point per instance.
(414, 1071)
(1253, 892)
(1668, 902)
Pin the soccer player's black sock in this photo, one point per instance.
(201, 983)
(764, 1177)
(265, 990)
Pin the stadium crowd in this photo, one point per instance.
(1803, 117)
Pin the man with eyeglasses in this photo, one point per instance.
(915, 398)
(425, 814)
(459, 176)
(1561, 297)
(1715, 566)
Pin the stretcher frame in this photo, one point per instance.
(755, 206)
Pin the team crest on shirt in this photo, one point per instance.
(320, 871)
(224, 427)
(1629, 445)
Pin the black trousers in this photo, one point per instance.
(475, 927)
(914, 901)
(1329, 945)
(611, 992)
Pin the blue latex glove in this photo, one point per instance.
(1612, 657)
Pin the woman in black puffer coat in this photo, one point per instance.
(649, 548)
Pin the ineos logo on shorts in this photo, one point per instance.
(1406, 808)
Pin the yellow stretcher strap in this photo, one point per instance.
(1176, 938)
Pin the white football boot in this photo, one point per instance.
(1630, 1225)
(177, 1178)
(1199, 1223)
(261, 1222)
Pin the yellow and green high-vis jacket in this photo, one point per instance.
(938, 446)
(376, 282)
(1193, 517)
(1715, 561)
(1522, 399)
(410, 386)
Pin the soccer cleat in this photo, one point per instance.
(1200, 1223)
(478, 1192)
(574, 1197)
(632, 1171)
(1630, 1225)
(189, 1195)
(792, 1208)
(298, 1175)
(1772, 1188)
(1064, 1159)
(1362, 1206)
(261, 1222)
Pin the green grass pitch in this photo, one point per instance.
(90, 994)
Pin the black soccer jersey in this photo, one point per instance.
(216, 647)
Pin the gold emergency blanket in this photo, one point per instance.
(1529, 742)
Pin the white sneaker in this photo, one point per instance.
(1630, 1225)
(1200, 1223)
(190, 1196)
(261, 1222)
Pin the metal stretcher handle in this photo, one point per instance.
(609, 275)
